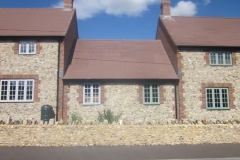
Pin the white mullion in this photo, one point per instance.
(216, 56)
(213, 98)
(8, 90)
(151, 97)
(25, 90)
(33, 82)
(224, 58)
(16, 91)
(91, 93)
(221, 105)
(27, 47)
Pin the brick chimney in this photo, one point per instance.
(68, 4)
(165, 7)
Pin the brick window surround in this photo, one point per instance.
(27, 76)
(218, 85)
(102, 93)
(207, 59)
(16, 47)
(140, 94)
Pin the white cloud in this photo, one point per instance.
(89, 8)
(206, 2)
(183, 8)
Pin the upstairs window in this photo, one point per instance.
(91, 94)
(217, 98)
(151, 94)
(27, 47)
(221, 58)
(16, 90)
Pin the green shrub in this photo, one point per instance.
(76, 118)
(109, 116)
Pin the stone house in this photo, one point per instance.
(191, 71)
(205, 54)
(34, 48)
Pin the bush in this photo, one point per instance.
(109, 116)
(76, 118)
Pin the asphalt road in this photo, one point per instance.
(205, 152)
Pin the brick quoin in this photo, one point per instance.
(66, 48)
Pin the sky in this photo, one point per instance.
(129, 19)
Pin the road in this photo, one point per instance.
(205, 152)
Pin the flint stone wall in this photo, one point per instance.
(114, 135)
(195, 72)
(124, 97)
(44, 65)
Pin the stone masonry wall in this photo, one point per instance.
(196, 73)
(124, 97)
(43, 65)
(113, 135)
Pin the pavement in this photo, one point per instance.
(165, 152)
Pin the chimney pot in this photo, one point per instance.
(68, 4)
(165, 7)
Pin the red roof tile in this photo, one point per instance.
(34, 22)
(202, 31)
(120, 59)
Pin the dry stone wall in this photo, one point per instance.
(124, 97)
(114, 135)
(44, 65)
(197, 71)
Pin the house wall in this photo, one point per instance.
(67, 47)
(126, 98)
(198, 74)
(42, 67)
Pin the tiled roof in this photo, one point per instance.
(202, 31)
(34, 22)
(120, 59)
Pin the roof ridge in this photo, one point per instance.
(206, 17)
(137, 40)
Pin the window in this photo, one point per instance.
(16, 90)
(27, 47)
(220, 58)
(217, 98)
(91, 93)
(151, 94)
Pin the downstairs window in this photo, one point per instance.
(16, 90)
(217, 98)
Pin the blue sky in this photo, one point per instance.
(129, 19)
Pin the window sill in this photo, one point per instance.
(221, 65)
(16, 101)
(26, 53)
(151, 104)
(214, 109)
(98, 104)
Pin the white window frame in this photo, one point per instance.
(17, 92)
(91, 102)
(151, 94)
(216, 56)
(28, 45)
(216, 101)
